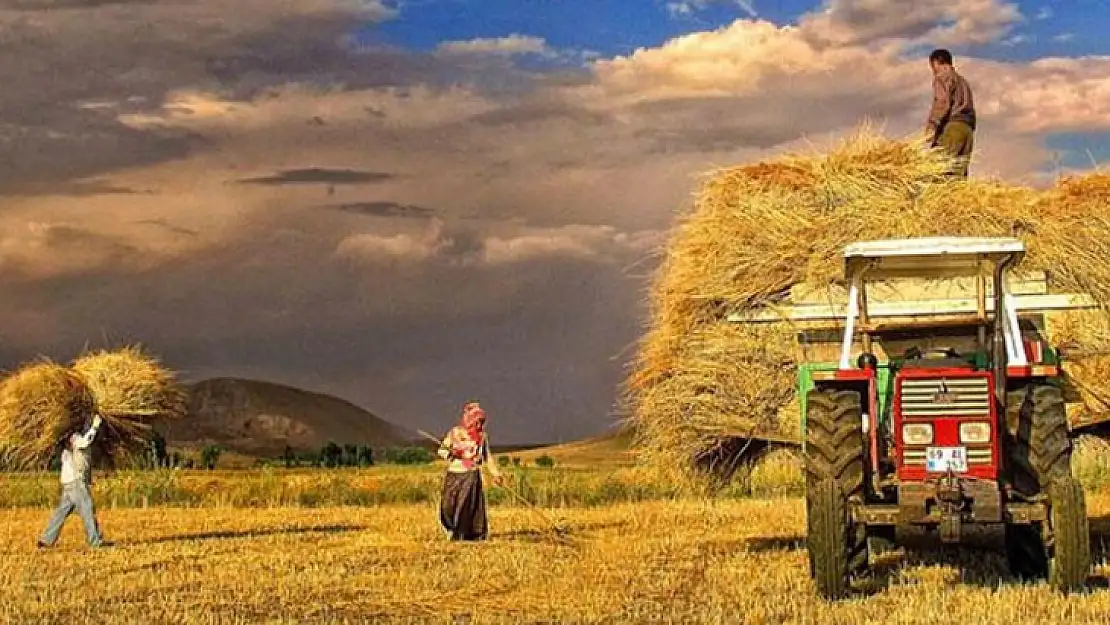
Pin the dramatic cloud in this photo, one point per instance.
(690, 7)
(249, 188)
(374, 247)
(596, 243)
(319, 175)
(70, 73)
(857, 22)
(1047, 95)
(511, 45)
(384, 209)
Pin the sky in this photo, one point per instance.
(413, 203)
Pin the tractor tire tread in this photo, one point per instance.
(1071, 546)
(828, 534)
(1040, 450)
(834, 453)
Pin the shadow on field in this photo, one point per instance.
(1100, 538)
(549, 535)
(777, 543)
(979, 560)
(224, 535)
(1100, 548)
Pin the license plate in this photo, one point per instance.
(943, 459)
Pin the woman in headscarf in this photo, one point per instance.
(462, 511)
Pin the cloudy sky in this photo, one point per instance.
(410, 203)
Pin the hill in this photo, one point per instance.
(256, 418)
(609, 449)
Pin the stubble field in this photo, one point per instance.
(740, 560)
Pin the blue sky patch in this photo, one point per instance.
(1078, 150)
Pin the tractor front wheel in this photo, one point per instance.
(834, 463)
(827, 539)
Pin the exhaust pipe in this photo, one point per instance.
(998, 343)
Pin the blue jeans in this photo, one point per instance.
(75, 496)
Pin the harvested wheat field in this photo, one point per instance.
(725, 562)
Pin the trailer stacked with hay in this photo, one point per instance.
(43, 402)
(763, 335)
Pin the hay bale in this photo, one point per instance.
(1085, 338)
(40, 405)
(755, 232)
(130, 385)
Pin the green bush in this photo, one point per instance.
(408, 455)
(545, 461)
(209, 456)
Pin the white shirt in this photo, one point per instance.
(77, 456)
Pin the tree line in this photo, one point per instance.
(330, 456)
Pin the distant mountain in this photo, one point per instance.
(260, 418)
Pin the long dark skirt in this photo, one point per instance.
(462, 512)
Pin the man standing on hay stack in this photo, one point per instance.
(76, 479)
(951, 122)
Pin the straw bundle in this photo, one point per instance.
(132, 390)
(131, 385)
(756, 231)
(40, 404)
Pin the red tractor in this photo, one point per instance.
(965, 425)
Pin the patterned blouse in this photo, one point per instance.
(463, 453)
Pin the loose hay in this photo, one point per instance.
(756, 231)
(40, 404)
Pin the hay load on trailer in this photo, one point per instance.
(755, 267)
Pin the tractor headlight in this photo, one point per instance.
(917, 433)
(976, 432)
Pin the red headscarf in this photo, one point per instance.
(474, 421)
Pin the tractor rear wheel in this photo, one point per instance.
(1070, 549)
(1039, 449)
(1064, 559)
(834, 464)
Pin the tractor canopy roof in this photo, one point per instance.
(929, 256)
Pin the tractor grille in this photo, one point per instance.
(956, 397)
(932, 398)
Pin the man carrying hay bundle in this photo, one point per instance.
(76, 478)
(462, 510)
(951, 121)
